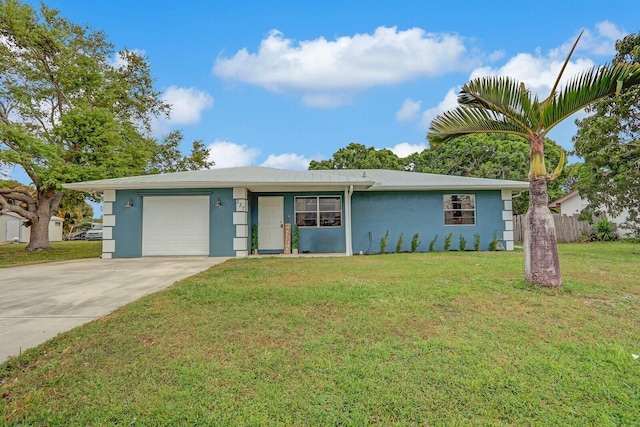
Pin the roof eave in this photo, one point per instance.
(253, 186)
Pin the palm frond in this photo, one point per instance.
(502, 94)
(464, 120)
(587, 88)
(564, 66)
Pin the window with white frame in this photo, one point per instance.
(459, 209)
(318, 211)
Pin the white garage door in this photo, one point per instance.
(175, 225)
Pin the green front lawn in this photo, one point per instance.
(402, 339)
(14, 255)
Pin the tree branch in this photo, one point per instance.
(18, 195)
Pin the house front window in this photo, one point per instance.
(459, 209)
(318, 211)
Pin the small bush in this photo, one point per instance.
(254, 237)
(476, 242)
(415, 242)
(432, 244)
(493, 246)
(463, 243)
(399, 244)
(384, 241)
(447, 241)
(604, 231)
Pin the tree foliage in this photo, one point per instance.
(72, 109)
(609, 142)
(498, 156)
(358, 156)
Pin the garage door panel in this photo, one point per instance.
(175, 225)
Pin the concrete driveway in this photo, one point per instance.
(37, 302)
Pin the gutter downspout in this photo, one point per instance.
(348, 192)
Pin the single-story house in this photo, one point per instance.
(572, 204)
(213, 212)
(12, 226)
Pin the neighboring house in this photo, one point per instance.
(572, 204)
(212, 212)
(12, 227)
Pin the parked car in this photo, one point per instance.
(85, 231)
(81, 235)
(95, 233)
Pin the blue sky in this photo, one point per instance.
(279, 83)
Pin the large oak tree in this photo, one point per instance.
(71, 109)
(504, 105)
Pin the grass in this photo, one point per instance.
(15, 255)
(399, 339)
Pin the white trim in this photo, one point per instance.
(107, 233)
(347, 221)
(242, 231)
(240, 244)
(239, 218)
(107, 208)
(109, 196)
(507, 217)
(240, 193)
(108, 220)
(106, 255)
(108, 246)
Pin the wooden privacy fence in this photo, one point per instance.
(568, 228)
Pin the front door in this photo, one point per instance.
(270, 223)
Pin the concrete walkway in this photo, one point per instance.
(37, 302)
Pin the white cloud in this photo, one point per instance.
(314, 67)
(287, 161)
(404, 149)
(119, 61)
(408, 110)
(326, 100)
(228, 154)
(602, 42)
(5, 171)
(449, 102)
(187, 104)
(496, 55)
(537, 72)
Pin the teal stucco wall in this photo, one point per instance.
(411, 212)
(128, 229)
(312, 239)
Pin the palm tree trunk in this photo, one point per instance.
(541, 261)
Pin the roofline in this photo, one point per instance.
(556, 202)
(89, 186)
(513, 187)
(294, 186)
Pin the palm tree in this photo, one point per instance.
(504, 105)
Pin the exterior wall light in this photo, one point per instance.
(129, 204)
(218, 203)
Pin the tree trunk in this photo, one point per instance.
(541, 261)
(39, 231)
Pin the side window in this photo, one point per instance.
(318, 211)
(459, 209)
